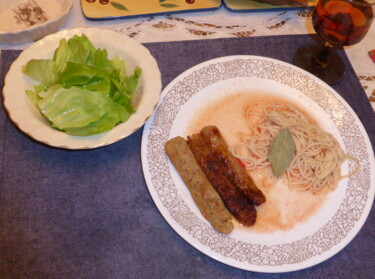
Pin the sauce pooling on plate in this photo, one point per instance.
(285, 208)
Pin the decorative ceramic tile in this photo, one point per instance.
(251, 5)
(103, 9)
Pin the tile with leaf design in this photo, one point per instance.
(252, 5)
(105, 9)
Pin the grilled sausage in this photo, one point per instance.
(236, 202)
(235, 173)
(204, 195)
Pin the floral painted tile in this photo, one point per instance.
(105, 9)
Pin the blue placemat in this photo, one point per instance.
(88, 214)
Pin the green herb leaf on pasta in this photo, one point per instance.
(281, 152)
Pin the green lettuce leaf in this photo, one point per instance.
(82, 92)
(34, 95)
(42, 70)
(75, 108)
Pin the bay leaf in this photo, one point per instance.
(281, 152)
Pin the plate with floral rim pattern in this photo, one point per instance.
(24, 21)
(311, 242)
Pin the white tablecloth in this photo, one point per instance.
(222, 23)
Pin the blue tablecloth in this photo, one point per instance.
(88, 213)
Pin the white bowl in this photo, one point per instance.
(23, 21)
(26, 116)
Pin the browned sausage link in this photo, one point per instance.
(241, 208)
(236, 174)
(203, 193)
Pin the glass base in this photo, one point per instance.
(304, 58)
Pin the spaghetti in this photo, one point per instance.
(318, 156)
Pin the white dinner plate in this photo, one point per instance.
(26, 116)
(327, 232)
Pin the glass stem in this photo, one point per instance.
(322, 58)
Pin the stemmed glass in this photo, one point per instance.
(339, 23)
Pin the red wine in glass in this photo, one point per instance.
(339, 23)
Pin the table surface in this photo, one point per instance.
(37, 239)
(222, 23)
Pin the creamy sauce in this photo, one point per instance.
(284, 208)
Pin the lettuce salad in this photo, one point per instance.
(82, 92)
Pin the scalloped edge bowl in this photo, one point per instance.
(30, 121)
(30, 20)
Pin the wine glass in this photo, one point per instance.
(339, 23)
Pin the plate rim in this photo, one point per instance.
(279, 269)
